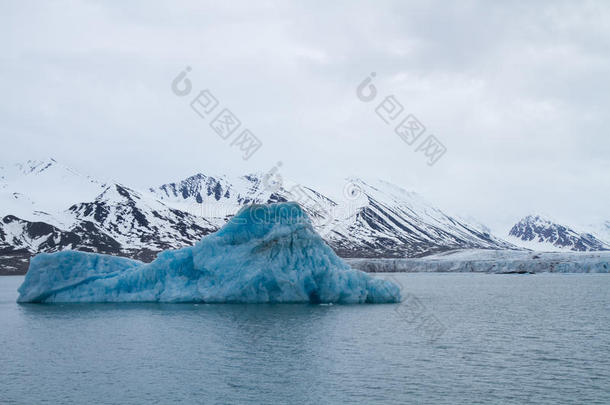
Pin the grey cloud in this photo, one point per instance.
(517, 91)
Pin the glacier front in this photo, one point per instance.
(265, 253)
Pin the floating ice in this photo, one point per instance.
(266, 253)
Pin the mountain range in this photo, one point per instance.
(46, 207)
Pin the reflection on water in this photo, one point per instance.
(509, 339)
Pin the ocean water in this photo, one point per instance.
(463, 339)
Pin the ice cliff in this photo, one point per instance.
(492, 261)
(266, 253)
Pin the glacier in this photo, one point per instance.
(265, 254)
(491, 261)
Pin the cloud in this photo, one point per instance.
(517, 92)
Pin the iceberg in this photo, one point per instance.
(264, 254)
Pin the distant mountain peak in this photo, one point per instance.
(540, 233)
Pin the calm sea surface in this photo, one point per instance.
(465, 338)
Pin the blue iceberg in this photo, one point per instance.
(265, 253)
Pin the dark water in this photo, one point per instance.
(503, 339)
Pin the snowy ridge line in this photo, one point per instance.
(378, 219)
(48, 207)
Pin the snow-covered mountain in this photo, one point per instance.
(538, 233)
(36, 189)
(219, 197)
(374, 219)
(600, 230)
(139, 222)
(383, 220)
(46, 206)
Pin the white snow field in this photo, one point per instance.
(492, 261)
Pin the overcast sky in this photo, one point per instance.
(518, 93)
